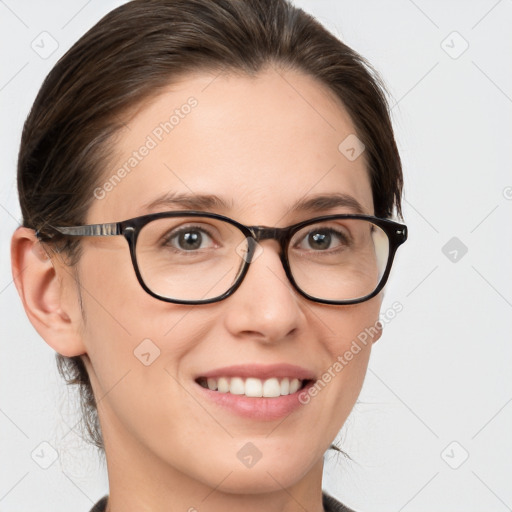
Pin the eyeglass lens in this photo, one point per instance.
(196, 258)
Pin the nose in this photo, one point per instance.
(265, 307)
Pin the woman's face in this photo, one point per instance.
(261, 144)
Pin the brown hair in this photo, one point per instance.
(143, 46)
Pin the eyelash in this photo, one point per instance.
(331, 231)
(177, 231)
(166, 239)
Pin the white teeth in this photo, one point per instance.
(253, 387)
(237, 386)
(285, 386)
(294, 385)
(223, 385)
(271, 388)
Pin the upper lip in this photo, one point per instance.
(261, 371)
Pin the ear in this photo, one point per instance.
(47, 290)
(380, 327)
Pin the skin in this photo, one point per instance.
(262, 144)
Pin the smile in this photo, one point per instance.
(253, 387)
(259, 392)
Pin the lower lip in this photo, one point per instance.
(258, 408)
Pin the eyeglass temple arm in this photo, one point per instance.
(109, 229)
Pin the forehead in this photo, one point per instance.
(261, 143)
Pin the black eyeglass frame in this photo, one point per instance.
(130, 229)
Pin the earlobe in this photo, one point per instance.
(42, 290)
(379, 327)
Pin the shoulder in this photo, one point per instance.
(332, 505)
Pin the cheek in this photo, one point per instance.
(129, 335)
(135, 344)
(352, 330)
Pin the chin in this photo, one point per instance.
(273, 471)
(258, 481)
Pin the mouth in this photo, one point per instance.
(253, 387)
(255, 391)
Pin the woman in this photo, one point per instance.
(206, 189)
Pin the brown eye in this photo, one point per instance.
(321, 239)
(191, 238)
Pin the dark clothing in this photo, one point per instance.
(100, 506)
(332, 505)
(329, 503)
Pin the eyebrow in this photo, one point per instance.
(314, 204)
(321, 202)
(190, 201)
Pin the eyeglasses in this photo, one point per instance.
(195, 257)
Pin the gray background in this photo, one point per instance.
(432, 427)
